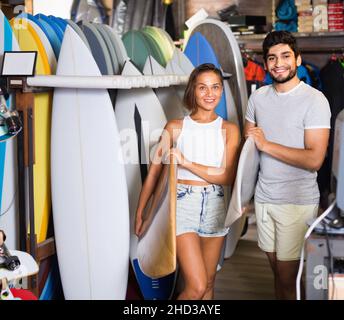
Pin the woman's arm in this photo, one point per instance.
(225, 174)
(165, 143)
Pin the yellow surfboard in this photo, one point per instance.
(29, 41)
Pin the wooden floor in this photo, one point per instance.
(247, 274)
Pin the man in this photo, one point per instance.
(289, 122)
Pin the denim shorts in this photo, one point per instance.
(201, 209)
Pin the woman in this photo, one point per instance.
(205, 147)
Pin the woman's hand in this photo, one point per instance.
(141, 224)
(177, 157)
(138, 223)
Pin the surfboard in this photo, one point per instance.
(245, 182)
(89, 193)
(49, 279)
(161, 232)
(46, 43)
(62, 24)
(227, 50)
(105, 57)
(180, 65)
(141, 120)
(117, 42)
(137, 48)
(180, 59)
(29, 40)
(169, 100)
(43, 18)
(173, 68)
(162, 39)
(168, 41)
(98, 48)
(110, 47)
(49, 32)
(77, 29)
(8, 156)
(155, 49)
(199, 51)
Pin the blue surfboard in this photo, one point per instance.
(60, 22)
(52, 23)
(154, 289)
(48, 31)
(199, 51)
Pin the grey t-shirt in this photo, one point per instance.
(283, 118)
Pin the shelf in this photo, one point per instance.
(295, 34)
(313, 42)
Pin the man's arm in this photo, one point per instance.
(309, 158)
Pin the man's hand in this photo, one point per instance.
(258, 136)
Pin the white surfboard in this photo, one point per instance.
(121, 52)
(182, 61)
(245, 182)
(140, 119)
(170, 101)
(180, 65)
(243, 192)
(153, 119)
(89, 194)
(173, 68)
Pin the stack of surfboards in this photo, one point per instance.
(93, 211)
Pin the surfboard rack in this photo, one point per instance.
(107, 82)
(24, 87)
(39, 84)
(18, 68)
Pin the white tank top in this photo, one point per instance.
(201, 143)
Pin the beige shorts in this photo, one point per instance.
(281, 228)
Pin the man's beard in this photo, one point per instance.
(290, 76)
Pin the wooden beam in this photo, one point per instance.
(23, 102)
(46, 249)
(29, 6)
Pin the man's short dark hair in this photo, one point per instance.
(277, 37)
